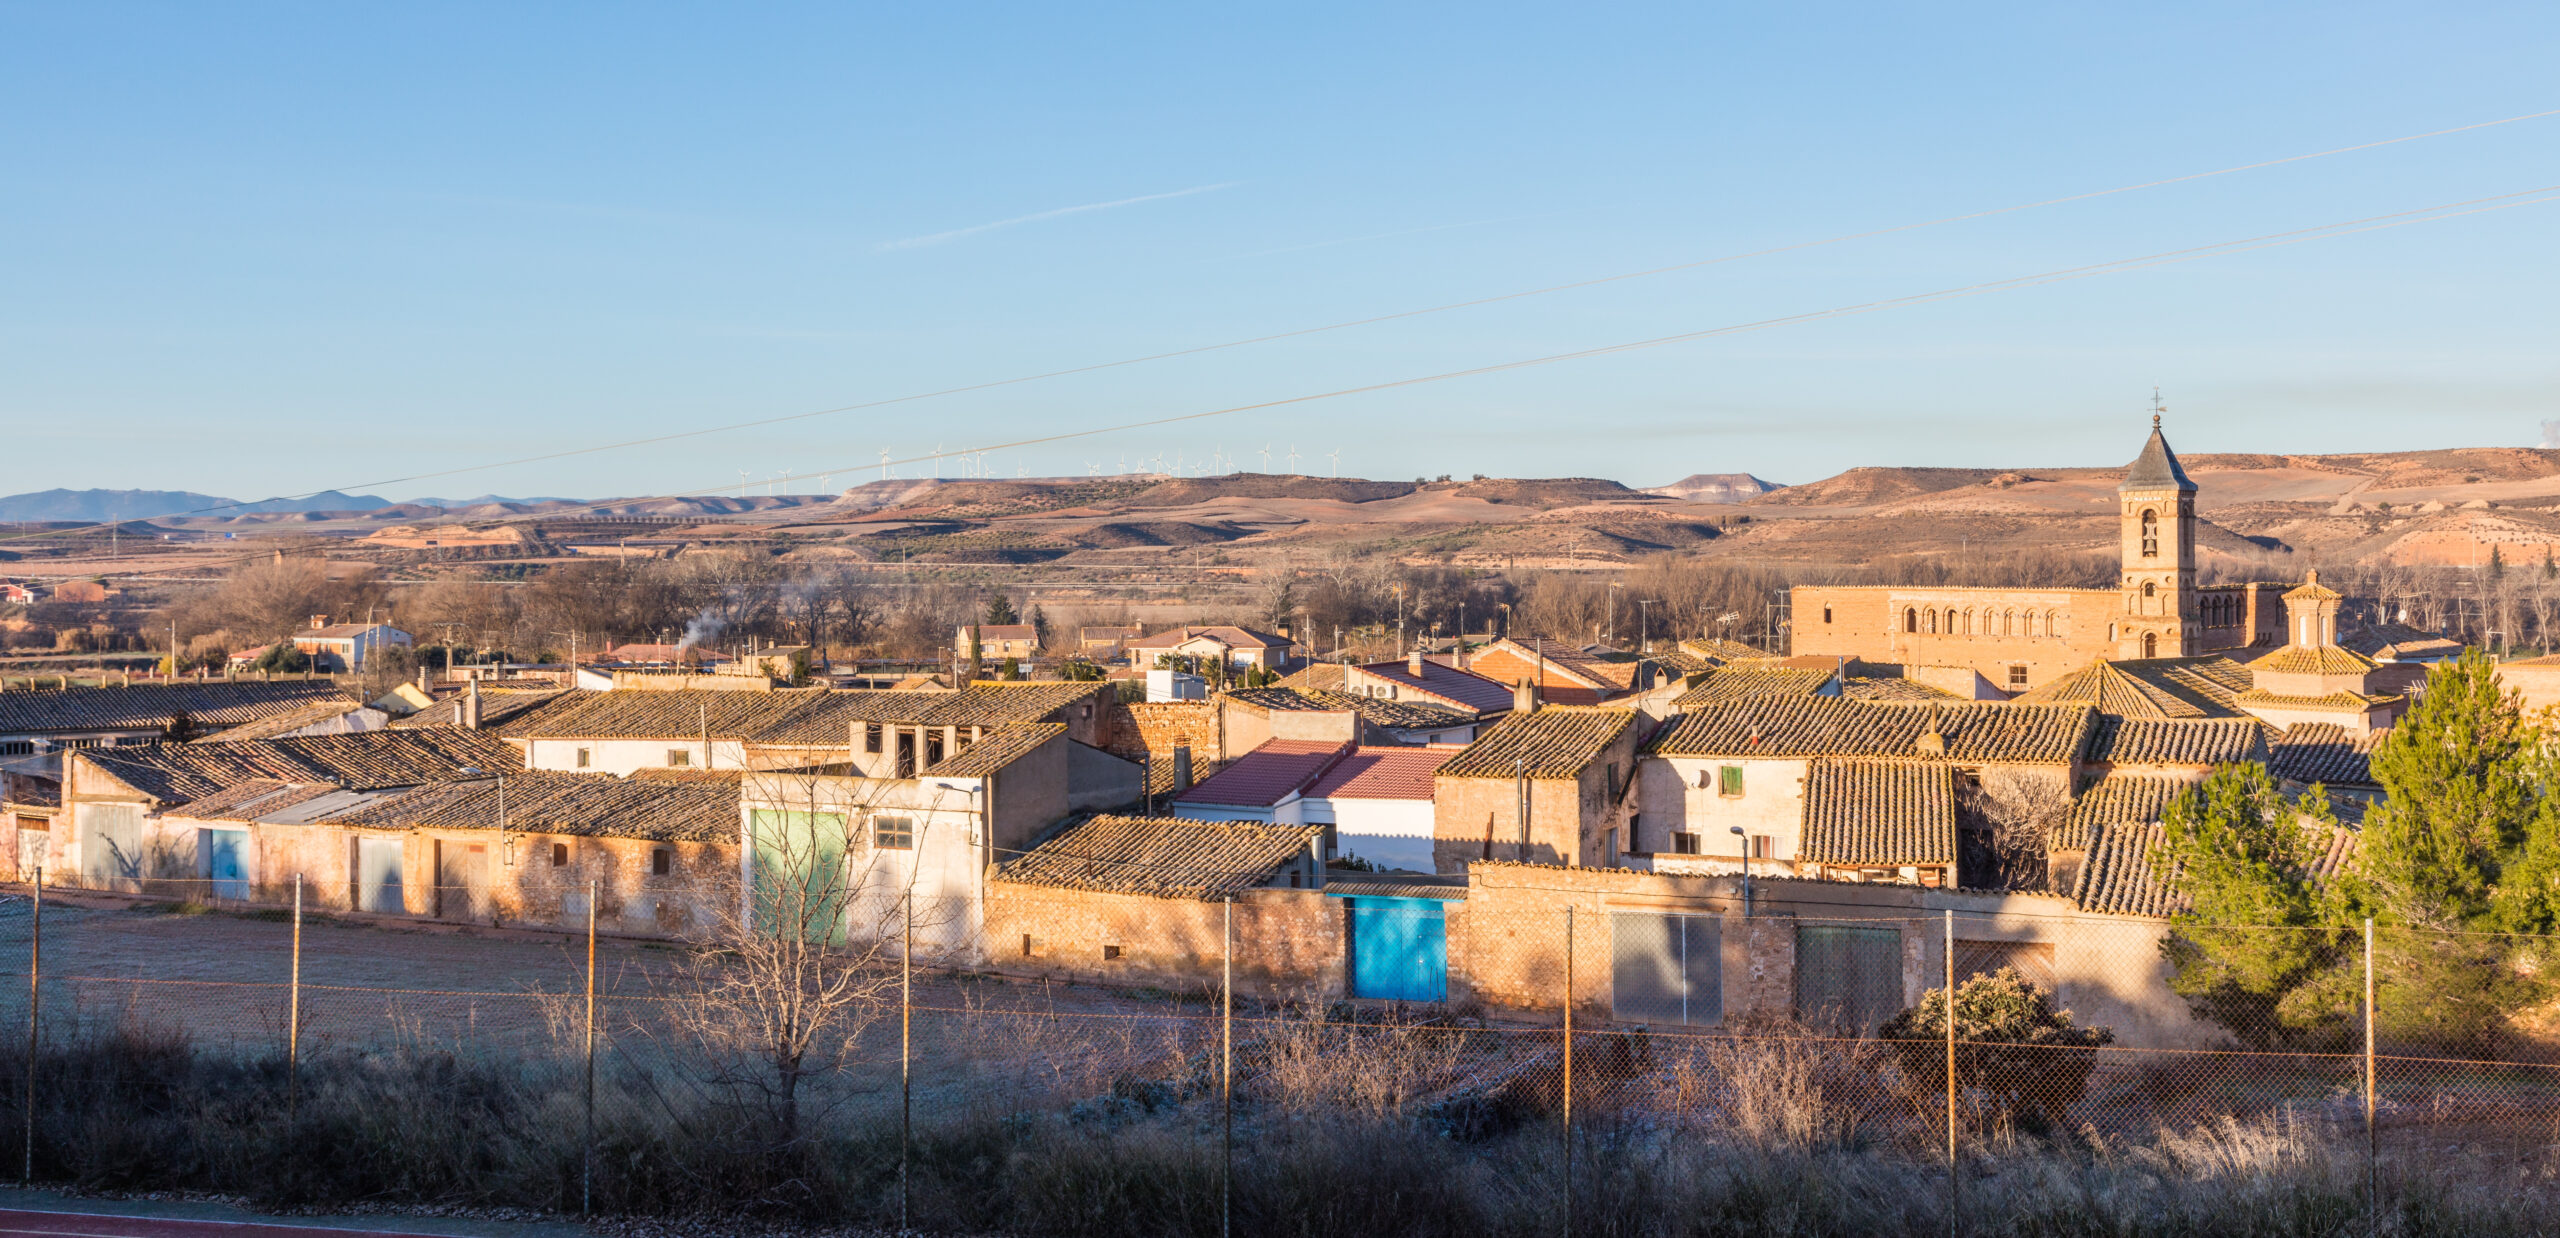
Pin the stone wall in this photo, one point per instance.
(1288, 943)
(2069, 628)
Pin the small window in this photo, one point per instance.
(2017, 677)
(1729, 781)
(1111, 952)
(1684, 844)
(679, 757)
(585, 757)
(932, 749)
(1613, 780)
(893, 833)
(559, 855)
(1910, 620)
(871, 737)
(1763, 846)
(661, 862)
(1026, 945)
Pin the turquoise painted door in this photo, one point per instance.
(226, 862)
(1399, 949)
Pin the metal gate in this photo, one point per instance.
(1666, 968)
(377, 881)
(1848, 977)
(1399, 949)
(226, 862)
(111, 846)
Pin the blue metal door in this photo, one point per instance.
(1399, 949)
(226, 861)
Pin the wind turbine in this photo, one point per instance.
(742, 483)
(937, 461)
(1092, 469)
(884, 464)
(1336, 455)
(1293, 459)
(1266, 457)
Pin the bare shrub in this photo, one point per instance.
(1774, 1083)
(1362, 1070)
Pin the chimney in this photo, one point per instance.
(1181, 768)
(471, 707)
(1524, 697)
(1413, 662)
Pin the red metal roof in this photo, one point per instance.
(1464, 688)
(1385, 773)
(1266, 775)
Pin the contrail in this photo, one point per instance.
(937, 238)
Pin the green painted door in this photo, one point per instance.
(800, 878)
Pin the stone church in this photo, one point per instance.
(2015, 640)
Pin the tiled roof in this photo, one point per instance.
(2339, 702)
(1314, 677)
(829, 718)
(250, 800)
(508, 711)
(2125, 689)
(1892, 688)
(1879, 813)
(1006, 631)
(1266, 775)
(575, 805)
(1383, 773)
(2311, 590)
(1466, 688)
(2323, 752)
(647, 713)
(212, 704)
(1365, 885)
(1819, 726)
(2177, 741)
(1001, 747)
(1376, 710)
(1232, 637)
(1162, 857)
(173, 773)
(2319, 660)
(284, 723)
(341, 631)
(1720, 650)
(1559, 741)
(2118, 878)
(2156, 468)
(1733, 683)
(2396, 642)
(2115, 800)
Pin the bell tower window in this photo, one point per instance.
(2151, 644)
(1910, 619)
(2150, 533)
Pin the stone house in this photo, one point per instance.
(1237, 648)
(42, 723)
(1555, 785)
(1564, 674)
(997, 641)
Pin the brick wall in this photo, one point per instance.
(1866, 622)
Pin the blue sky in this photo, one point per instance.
(256, 249)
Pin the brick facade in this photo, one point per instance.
(1289, 943)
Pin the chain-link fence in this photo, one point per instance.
(572, 1071)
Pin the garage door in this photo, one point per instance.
(111, 846)
(378, 876)
(1666, 968)
(1399, 949)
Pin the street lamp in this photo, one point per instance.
(1745, 844)
(1644, 622)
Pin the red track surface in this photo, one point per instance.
(94, 1225)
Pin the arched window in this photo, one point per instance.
(2008, 623)
(2151, 644)
(1967, 629)
(2149, 591)
(1910, 620)
(1933, 622)
(2150, 533)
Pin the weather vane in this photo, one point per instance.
(2157, 408)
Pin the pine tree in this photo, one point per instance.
(2497, 564)
(2459, 799)
(2549, 569)
(1039, 628)
(2246, 951)
(1000, 610)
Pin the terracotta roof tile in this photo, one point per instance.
(1375, 710)
(1879, 813)
(174, 773)
(2117, 799)
(1383, 773)
(574, 805)
(1891, 688)
(212, 704)
(1265, 776)
(1463, 688)
(1733, 683)
(1559, 741)
(2316, 660)
(2323, 752)
(1817, 726)
(2118, 878)
(648, 713)
(829, 718)
(1001, 747)
(1314, 677)
(2341, 702)
(1162, 857)
(2177, 741)
(284, 723)
(1233, 637)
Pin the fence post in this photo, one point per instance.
(587, 1155)
(2372, 1173)
(293, 1021)
(1568, 1071)
(906, 1047)
(35, 1001)
(1955, 1187)
(1227, 1078)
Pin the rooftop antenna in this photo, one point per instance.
(2157, 408)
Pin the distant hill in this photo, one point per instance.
(1717, 488)
(325, 501)
(104, 504)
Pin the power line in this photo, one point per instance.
(1374, 320)
(2272, 240)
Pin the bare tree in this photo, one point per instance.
(2013, 817)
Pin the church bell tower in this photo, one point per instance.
(2157, 507)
